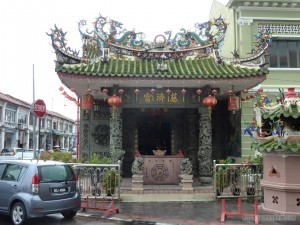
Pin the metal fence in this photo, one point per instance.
(237, 180)
(98, 180)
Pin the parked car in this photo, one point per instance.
(73, 151)
(10, 151)
(35, 188)
(25, 155)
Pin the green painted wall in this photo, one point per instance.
(242, 38)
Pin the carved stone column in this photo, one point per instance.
(116, 151)
(192, 143)
(205, 146)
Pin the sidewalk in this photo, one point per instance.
(184, 213)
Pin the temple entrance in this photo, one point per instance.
(154, 134)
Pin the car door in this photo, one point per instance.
(9, 183)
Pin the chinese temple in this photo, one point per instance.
(174, 93)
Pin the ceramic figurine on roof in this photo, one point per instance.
(280, 127)
(203, 41)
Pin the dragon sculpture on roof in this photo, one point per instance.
(109, 39)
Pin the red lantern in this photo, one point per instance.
(87, 102)
(121, 91)
(214, 91)
(114, 101)
(209, 101)
(73, 89)
(233, 103)
(260, 90)
(230, 92)
(199, 92)
(89, 91)
(61, 89)
(245, 91)
(105, 91)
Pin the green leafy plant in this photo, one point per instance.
(110, 180)
(58, 156)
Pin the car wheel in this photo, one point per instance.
(18, 213)
(69, 214)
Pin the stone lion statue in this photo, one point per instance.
(186, 166)
(137, 165)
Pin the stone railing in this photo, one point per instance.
(98, 180)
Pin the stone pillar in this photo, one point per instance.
(2, 138)
(137, 182)
(27, 137)
(192, 143)
(116, 151)
(205, 146)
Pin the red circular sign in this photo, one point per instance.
(39, 108)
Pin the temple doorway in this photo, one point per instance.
(154, 134)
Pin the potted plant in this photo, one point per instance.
(110, 181)
(222, 180)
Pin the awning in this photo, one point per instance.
(57, 132)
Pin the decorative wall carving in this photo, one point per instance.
(205, 144)
(116, 151)
(85, 136)
(100, 135)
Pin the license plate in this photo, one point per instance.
(59, 190)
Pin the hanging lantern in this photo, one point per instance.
(152, 93)
(87, 102)
(183, 92)
(114, 101)
(61, 88)
(121, 91)
(89, 91)
(260, 90)
(214, 91)
(199, 92)
(168, 91)
(73, 89)
(136, 91)
(209, 101)
(245, 91)
(105, 91)
(233, 103)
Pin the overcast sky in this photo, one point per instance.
(24, 42)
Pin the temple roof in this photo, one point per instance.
(114, 54)
(204, 68)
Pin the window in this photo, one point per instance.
(285, 54)
(22, 118)
(42, 122)
(1, 113)
(70, 128)
(49, 124)
(13, 172)
(61, 127)
(10, 115)
(54, 125)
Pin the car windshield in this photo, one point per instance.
(56, 173)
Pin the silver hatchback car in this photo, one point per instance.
(35, 188)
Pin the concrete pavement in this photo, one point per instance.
(185, 213)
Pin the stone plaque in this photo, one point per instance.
(162, 169)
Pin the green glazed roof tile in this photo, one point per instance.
(191, 68)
